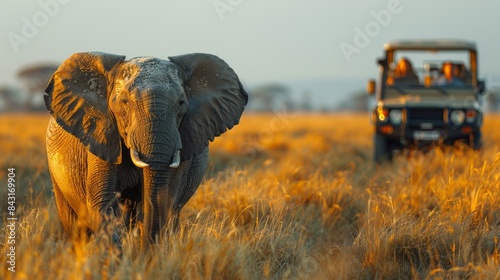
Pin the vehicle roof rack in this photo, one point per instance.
(430, 45)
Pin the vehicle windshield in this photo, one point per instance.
(433, 71)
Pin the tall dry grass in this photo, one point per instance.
(285, 197)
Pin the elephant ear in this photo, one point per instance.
(216, 100)
(77, 98)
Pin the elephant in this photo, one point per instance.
(129, 138)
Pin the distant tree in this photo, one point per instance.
(493, 99)
(11, 99)
(305, 102)
(35, 79)
(270, 97)
(358, 101)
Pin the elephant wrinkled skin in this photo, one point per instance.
(130, 138)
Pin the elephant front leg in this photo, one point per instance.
(102, 203)
(192, 178)
(129, 211)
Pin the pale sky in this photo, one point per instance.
(273, 40)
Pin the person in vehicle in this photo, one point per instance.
(449, 76)
(403, 74)
(463, 74)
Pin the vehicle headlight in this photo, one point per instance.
(457, 117)
(395, 116)
(382, 114)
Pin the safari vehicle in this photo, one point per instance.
(425, 109)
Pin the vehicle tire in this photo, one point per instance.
(476, 141)
(382, 149)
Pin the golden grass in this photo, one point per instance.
(286, 197)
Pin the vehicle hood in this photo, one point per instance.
(431, 101)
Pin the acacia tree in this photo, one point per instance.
(270, 97)
(35, 79)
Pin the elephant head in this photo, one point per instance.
(164, 112)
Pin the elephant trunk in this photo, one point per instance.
(155, 142)
(158, 146)
(157, 202)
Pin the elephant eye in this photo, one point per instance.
(182, 107)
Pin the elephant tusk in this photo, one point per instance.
(134, 155)
(176, 159)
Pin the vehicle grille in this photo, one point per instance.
(416, 116)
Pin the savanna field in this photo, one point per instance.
(287, 196)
